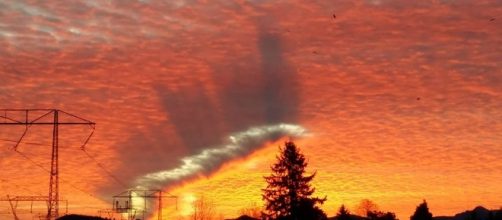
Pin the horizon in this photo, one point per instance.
(391, 101)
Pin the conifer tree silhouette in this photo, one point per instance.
(422, 212)
(288, 195)
(343, 213)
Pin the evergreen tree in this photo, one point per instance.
(343, 214)
(422, 212)
(288, 195)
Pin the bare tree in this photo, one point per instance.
(366, 206)
(203, 209)
(252, 210)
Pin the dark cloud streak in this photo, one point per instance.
(260, 89)
(248, 96)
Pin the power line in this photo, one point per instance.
(29, 143)
(24, 117)
(100, 165)
(38, 144)
(104, 169)
(46, 170)
(25, 120)
(18, 187)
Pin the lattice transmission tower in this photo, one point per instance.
(46, 117)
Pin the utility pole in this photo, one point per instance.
(160, 206)
(53, 203)
(127, 197)
(31, 117)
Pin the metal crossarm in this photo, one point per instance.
(13, 201)
(32, 117)
(145, 194)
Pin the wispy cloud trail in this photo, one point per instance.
(239, 145)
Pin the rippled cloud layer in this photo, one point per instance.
(393, 93)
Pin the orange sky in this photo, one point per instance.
(166, 80)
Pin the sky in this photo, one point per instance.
(393, 101)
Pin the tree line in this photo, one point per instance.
(288, 195)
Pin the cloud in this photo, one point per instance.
(166, 80)
(210, 159)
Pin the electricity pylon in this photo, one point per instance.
(129, 208)
(31, 117)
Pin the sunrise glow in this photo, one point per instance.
(392, 101)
